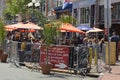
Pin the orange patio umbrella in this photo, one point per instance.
(29, 30)
(24, 26)
(9, 29)
(15, 26)
(70, 28)
(33, 26)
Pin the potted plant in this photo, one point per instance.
(50, 33)
(3, 56)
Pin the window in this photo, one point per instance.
(116, 11)
(84, 15)
(119, 12)
(101, 13)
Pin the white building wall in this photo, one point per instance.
(82, 4)
(112, 1)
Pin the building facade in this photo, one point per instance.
(83, 11)
(91, 12)
(115, 16)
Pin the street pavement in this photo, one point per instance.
(113, 75)
(8, 72)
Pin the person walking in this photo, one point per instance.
(115, 38)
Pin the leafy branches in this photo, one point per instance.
(68, 19)
(2, 33)
(50, 33)
(14, 7)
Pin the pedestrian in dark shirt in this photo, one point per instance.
(115, 38)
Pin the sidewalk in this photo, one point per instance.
(105, 75)
(114, 75)
(30, 66)
(14, 73)
(91, 74)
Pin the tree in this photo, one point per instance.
(68, 19)
(20, 7)
(71, 20)
(50, 33)
(3, 57)
(2, 34)
(41, 19)
(14, 7)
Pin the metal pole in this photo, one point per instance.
(107, 20)
(109, 51)
(96, 25)
(96, 13)
(108, 26)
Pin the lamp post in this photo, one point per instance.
(34, 4)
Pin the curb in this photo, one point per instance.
(62, 71)
(101, 76)
(93, 74)
(54, 69)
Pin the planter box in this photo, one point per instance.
(3, 57)
(46, 68)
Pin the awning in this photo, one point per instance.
(83, 3)
(67, 8)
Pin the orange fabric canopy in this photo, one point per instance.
(29, 30)
(32, 26)
(24, 26)
(9, 29)
(15, 26)
(70, 28)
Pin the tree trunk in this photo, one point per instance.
(47, 55)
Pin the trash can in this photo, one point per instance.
(112, 53)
